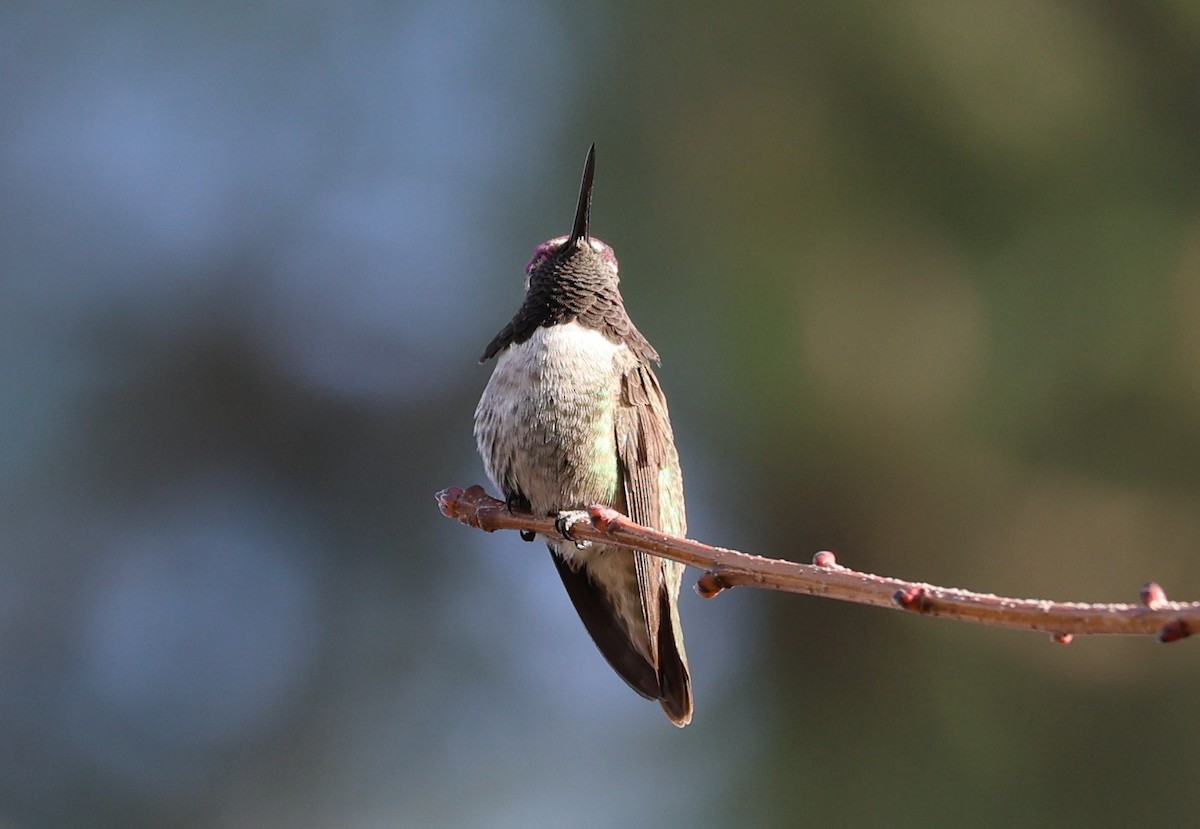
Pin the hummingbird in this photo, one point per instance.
(573, 416)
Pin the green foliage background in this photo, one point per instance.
(926, 279)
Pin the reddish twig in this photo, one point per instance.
(1154, 615)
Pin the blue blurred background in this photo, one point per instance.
(926, 279)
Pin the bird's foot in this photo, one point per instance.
(516, 501)
(567, 519)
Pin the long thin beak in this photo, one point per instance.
(584, 208)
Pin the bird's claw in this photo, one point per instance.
(568, 519)
(516, 501)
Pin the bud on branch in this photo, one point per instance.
(724, 568)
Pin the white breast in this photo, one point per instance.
(545, 422)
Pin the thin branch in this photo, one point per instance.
(723, 568)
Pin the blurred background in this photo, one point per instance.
(926, 280)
